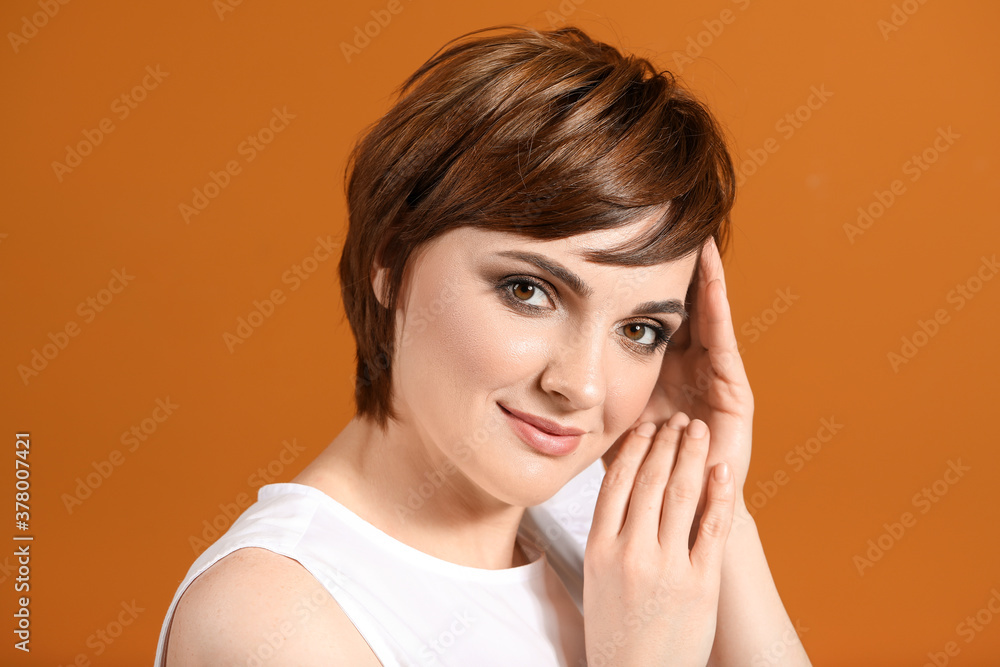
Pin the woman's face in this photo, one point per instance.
(492, 323)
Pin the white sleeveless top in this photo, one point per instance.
(415, 609)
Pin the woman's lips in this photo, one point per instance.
(542, 441)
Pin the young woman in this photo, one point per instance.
(533, 280)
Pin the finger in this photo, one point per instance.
(646, 502)
(718, 336)
(715, 323)
(682, 337)
(609, 455)
(613, 498)
(694, 297)
(714, 318)
(708, 269)
(713, 264)
(684, 487)
(680, 420)
(716, 522)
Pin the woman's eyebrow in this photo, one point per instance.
(574, 281)
(581, 288)
(668, 306)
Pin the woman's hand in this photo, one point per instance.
(703, 375)
(648, 598)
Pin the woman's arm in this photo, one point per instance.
(753, 627)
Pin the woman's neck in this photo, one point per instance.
(416, 496)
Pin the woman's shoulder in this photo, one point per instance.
(254, 603)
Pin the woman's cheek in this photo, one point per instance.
(490, 349)
(627, 397)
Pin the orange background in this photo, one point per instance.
(853, 298)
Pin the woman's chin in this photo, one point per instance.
(527, 490)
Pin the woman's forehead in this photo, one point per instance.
(598, 239)
(471, 240)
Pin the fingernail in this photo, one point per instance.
(677, 421)
(646, 429)
(697, 428)
(722, 472)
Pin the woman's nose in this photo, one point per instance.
(575, 367)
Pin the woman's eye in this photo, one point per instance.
(525, 293)
(643, 334)
(649, 337)
(528, 293)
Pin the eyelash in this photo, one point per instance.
(661, 337)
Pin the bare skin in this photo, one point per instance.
(601, 385)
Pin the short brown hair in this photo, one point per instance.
(548, 134)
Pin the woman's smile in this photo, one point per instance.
(543, 435)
